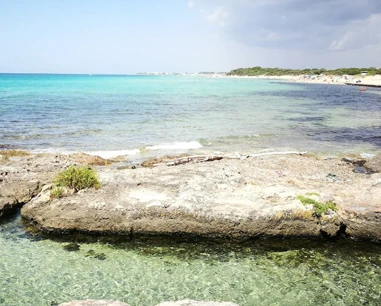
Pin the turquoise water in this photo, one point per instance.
(113, 115)
(39, 271)
(134, 114)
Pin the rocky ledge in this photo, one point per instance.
(23, 175)
(271, 195)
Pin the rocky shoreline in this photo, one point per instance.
(250, 196)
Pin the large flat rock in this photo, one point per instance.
(229, 198)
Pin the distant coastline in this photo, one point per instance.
(342, 76)
(365, 76)
(260, 71)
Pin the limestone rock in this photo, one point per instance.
(89, 160)
(228, 198)
(233, 198)
(22, 178)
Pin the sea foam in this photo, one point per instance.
(176, 146)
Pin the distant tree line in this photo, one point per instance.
(257, 71)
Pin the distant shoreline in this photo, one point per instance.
(332, 80)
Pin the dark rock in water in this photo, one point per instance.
(360, 165)
(92, 253)
(72, 247)
(374, 164)
(100, 256)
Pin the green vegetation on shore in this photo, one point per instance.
(319, 208)
(78, 178)
(258, 71)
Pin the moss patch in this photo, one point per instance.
(319, 208)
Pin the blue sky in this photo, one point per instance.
(116, 36)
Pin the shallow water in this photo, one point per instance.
(35, 270)
(140, 114)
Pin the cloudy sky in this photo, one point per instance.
(128, 36)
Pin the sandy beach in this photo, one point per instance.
(324, 79)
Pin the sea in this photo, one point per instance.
(141, 115)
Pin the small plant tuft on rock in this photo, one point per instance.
(78, 178)
(56, 192)
(319, 208)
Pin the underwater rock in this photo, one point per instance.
(72, 247)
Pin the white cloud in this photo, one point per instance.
(190, 4)
(218, 16)
(358, 34)
(297, 24)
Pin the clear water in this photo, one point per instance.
(135, 114)
(39, 271)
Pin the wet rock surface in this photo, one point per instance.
(226, 198)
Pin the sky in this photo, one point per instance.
(129, 36)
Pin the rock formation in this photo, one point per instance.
(258, 196)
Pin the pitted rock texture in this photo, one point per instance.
(234, 198)
(21, 178)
